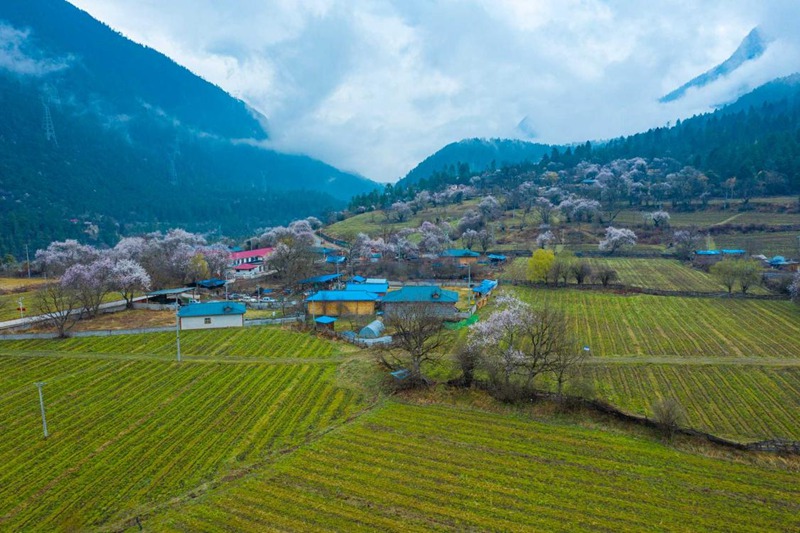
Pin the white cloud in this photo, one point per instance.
(375, 87)
(18, 56)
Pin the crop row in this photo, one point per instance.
(612, 324)
(127, 434)
(412, 468)
(233, 342)
(743, 402)
(661, 274)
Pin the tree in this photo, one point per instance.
(727, 272)
(469, 238)
(400, 211)
(127, 277)
(485, 239)
(749, 273)
(416, 340)
(544, 208)
(434, 238)
(794, 287)
(90, 283)
(197, 268)
(660, 219)
(617, 239)
(669, 415)
(292, 262)
(545, 239)
(581, 271)
(489, 208)
(59, 305)
(686, 242)
(539, 264)
(518, 343)
(561, 268)
(566, 363)
(60, 255)
(606, 275)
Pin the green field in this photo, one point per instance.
(128, 434)
(643, 325)
(741, 402)
(413, 468)
(786, 243)
(250, 342)
(647, 273)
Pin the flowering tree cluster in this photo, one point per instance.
(518, 343)
(617, 239)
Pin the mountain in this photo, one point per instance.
(752, 47)
(475, 155)
(102, 136)
(755, 140)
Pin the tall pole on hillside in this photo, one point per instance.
(177, 329)
(28, 260)
(39, 385)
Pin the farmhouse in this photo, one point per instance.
(212, 315)
(461, 257)
(439, 302)
(341, 303)
(249, 263)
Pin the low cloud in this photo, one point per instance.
(17, 55)
(376, 87)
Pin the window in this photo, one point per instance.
(207, 320)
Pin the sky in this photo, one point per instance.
(376, 86)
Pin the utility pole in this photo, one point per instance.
(178, 328)
(21, 308)
(39, 385)
(28, 260)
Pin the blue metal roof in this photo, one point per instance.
(453, 252)
(320, 279)
(707, 252)
(485, 287)
(335, 259)
(358, 279)
(169, 291)
(379, 288)
(734, 252)
(496, 257)
(430, 293)
(212, 283)
(325, 320)
(343, 296)
(212, 309)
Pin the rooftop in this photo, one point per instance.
(212, 309)
(319, 279)
(454, 252)
(259, 252)
(164, 292)
(369, 287)
(428, 294)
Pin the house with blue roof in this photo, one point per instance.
(212, 315)
(439, 302)
(341, 303)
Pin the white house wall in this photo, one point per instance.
(219, 321)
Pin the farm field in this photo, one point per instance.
(706, 218)
(126, 435)
(13, 284)
(423, 468)
(649, 273)
(250, 342)
(741, 402)
(786, 243)
(643, 325)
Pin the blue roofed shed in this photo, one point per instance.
(378, 288)
(440, 302)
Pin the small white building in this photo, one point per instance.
(212, 315)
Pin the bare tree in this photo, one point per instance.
(668, 414)
(417, 336)
(606, 275)
(60, 306)
(566, 363)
